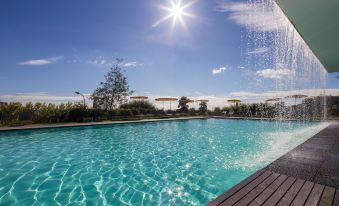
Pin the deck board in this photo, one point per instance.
(280, 192)
(268, 191)
(244, 191)
(315, 195)
(327, 197)
(302, 195)
(336, 199)
(257, 190)
(291, 193)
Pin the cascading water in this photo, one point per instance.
(279, 57)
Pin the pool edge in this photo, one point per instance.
(77, 124)
(65, 125)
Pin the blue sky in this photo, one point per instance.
(57, 47)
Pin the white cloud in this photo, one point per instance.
(131, 64)
(197, 93)
(255, 16)
(40, 97)
(105, 62)
(102, 62)
(214, 101)
(41, 62)
(275, 73)
(250, 97)
(93, 61)
(32, 93)
(260, 50)
(246, 97)
(218, 70)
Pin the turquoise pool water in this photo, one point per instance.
(159, 163)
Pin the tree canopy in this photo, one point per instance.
(203, 107)
(113, 91)
(183, 107)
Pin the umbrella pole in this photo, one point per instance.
(170, 105)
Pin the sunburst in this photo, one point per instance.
(176, 12)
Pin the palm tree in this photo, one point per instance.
(183, 107)
(203, 107)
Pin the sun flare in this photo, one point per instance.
(176, 12)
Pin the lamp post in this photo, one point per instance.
(83, 96)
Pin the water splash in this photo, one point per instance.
(276, 147)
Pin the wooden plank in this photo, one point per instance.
(241, 193)
(291, 193)
(229, 193)
(268, 191)
(327, 197)
(314, 198)
(336, 199)
(280, 192)
(303, 193)
(257, 190)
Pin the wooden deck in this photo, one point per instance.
(307, 175)
(269, 189)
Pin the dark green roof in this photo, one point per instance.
(317, 21)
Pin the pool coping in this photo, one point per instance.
(312, 168)
(84, 124)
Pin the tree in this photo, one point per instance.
(11, 111)
(113, 91)
(203, 107)
(183, 107)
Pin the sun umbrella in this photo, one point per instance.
(166, 99)
(273, 100)
(236, 101)
(296, 96)
(190, 101)
(139, 97)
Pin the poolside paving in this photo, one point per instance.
(307, 175)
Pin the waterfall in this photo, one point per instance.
(278, 56)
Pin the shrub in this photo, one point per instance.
(217, 111)
(125, 112)
(78, 114)
(137, 105)
(191, 111)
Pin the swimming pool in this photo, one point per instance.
(187, 162)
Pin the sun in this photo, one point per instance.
(176, 12)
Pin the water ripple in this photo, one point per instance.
(159, 163)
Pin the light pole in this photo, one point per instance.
(83, 96)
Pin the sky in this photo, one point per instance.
(50, 49)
